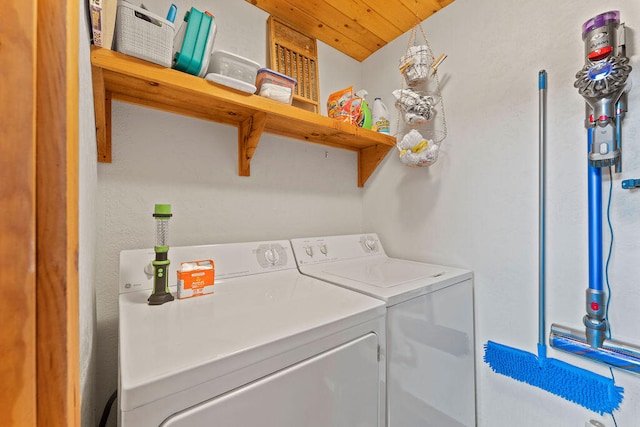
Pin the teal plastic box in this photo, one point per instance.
(194, 42)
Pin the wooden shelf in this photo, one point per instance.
(124, 78)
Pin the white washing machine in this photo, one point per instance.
(430, 325)
(270, 347)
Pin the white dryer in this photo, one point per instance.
(270, 347)
(430, 325)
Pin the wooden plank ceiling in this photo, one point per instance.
(355, 27)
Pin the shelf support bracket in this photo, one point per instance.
(249, 133)
(368, 160)
(102, 107)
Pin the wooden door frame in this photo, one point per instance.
(57, 332)
(39, 373)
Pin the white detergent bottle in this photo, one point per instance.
(380, 117)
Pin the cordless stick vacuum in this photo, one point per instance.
(602, 82)
(161, 293)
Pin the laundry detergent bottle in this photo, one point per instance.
(367, 121)
(380, 117)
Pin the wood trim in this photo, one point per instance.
(57, 358)
(17, 215)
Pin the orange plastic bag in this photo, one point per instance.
(339, 104)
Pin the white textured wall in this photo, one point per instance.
(477, 206)
(296, 189)
(87, 225)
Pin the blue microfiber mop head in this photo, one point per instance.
(585, 388)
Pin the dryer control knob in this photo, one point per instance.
(309, 251)
(323, 249)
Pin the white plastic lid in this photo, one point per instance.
(231, 82)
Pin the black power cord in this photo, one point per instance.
(107, 409)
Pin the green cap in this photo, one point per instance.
(162, 210)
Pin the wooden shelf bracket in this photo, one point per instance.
(102, 107)
(368, 160)
(249, 133)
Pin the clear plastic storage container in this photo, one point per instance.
(234, 66)
(276, 86)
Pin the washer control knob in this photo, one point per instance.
(371, 245)
(272, 256)
(309, 251)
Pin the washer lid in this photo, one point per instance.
(176, 346)
(390, 279)
(383, 272)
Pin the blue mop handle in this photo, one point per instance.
(542, 142)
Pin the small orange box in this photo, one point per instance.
(195, 278)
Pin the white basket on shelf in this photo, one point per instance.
(143, 34)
